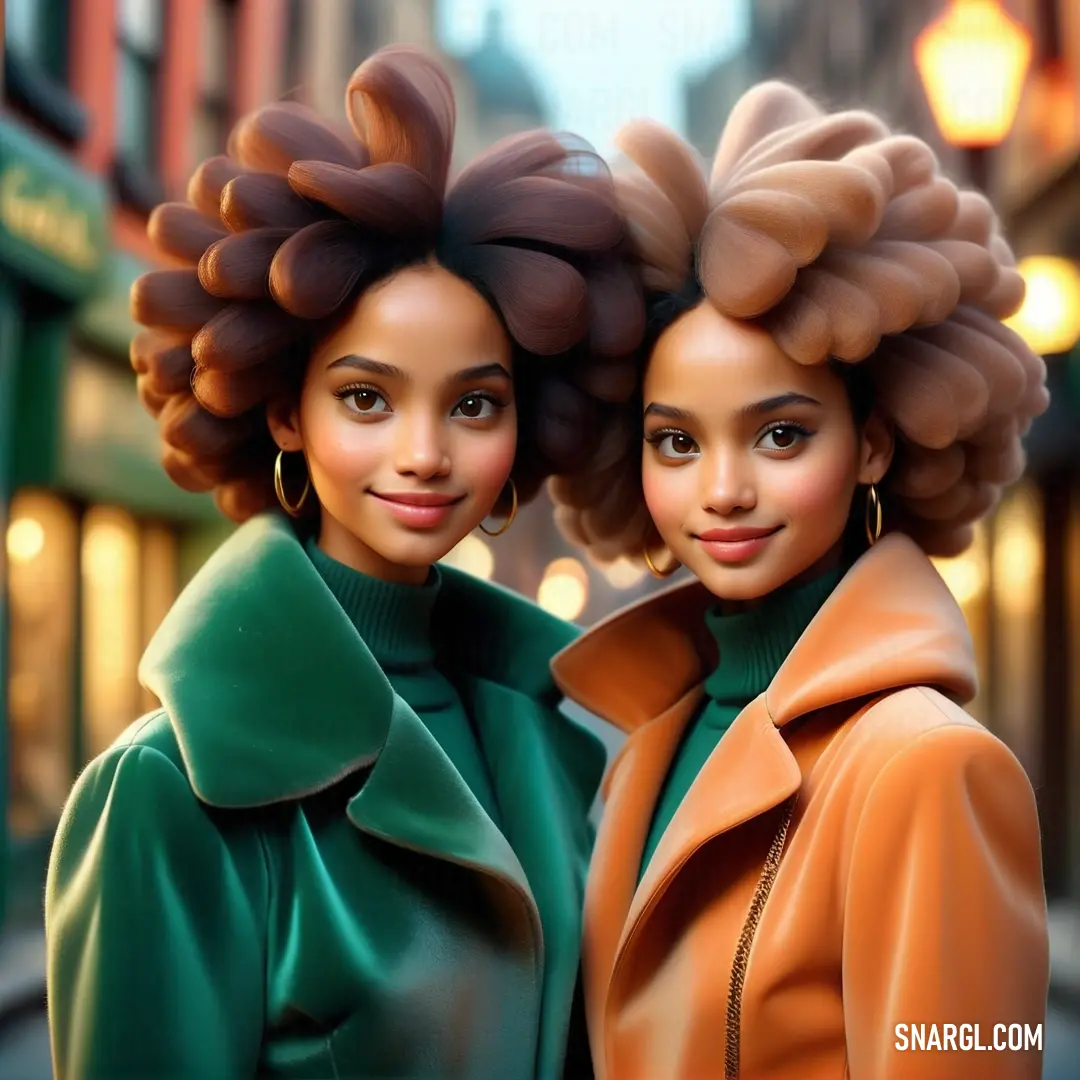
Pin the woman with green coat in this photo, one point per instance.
(352, 841)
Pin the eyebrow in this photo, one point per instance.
(390, 371)
(757, 408)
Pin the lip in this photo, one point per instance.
(735, 545)
(418, 498)
(731, 536)
(419, 509)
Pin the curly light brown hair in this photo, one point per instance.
(281, 236)
(849, 247)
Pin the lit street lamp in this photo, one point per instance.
(973, 60)
(1049, 320)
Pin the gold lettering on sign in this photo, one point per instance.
(45, 219)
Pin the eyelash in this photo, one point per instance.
(788, 425)
(343, 393)
(655, 438)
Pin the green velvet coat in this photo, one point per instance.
(280, 874)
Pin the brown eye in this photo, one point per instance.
(362, 399)
(673, 444)
(475, 407)
(784, 437)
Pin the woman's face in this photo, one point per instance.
(407, 423)
(750, 461)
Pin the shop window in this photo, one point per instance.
(1071, 644)
(129, 582)
(159, 576)
(35, 66)
(214, 115)
(111, 625)
(42, 546)
(1017, 652)
(968, 577)
(295, 44)
(139, 40)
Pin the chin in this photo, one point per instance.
(748, 581)
(416, 551)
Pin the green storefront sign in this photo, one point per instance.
(110, 448)
(53, 218)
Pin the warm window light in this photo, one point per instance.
(623, 573)
(107, 550)
(1049, 320)
(973, 60)
(965, 575)
(564, 590)
(1018, 554)
(25, 540)
(472, 556)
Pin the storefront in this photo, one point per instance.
(53, 239)
(98, 540)
(1019, 586)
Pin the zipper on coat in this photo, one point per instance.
(746, 941)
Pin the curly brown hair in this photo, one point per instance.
(845, 242)
(281, 235)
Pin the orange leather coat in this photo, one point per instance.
(857, 853)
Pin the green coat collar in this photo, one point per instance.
(272, 693)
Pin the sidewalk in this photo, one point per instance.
(1065, 955)
(22, 970)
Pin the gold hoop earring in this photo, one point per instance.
(279, 490)
(509, 518)
(655, 570)
(873, 515)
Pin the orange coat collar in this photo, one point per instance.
(891, 622)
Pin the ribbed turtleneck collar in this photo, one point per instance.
(393, 620)
(754, 643)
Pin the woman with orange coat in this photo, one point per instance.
(813, 864)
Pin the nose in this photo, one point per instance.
(420, 447)
(727, 483)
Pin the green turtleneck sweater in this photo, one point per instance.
(752, 645)
(394, 622)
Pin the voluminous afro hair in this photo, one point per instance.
(281, 236)
(845, 242)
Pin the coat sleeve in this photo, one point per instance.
(945, 919)
(155, 959)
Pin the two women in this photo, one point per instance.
(352, 842)
(808, 846)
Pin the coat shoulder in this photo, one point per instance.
(153, 730)
(919, 728)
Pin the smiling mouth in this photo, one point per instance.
(734, 546)
(417, 498)
(418, 510)
(735, 536)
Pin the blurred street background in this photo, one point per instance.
(107, 105)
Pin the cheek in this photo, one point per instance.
(340, 450)
(483, 461)
(669, 491)
(818, 493)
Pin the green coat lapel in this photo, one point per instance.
(521, 741)
(274, 696)
(415, 798)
